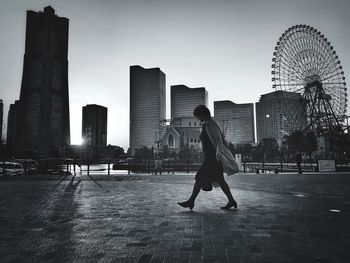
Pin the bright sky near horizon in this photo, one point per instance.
(225, 46)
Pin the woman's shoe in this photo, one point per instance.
(186, 204)
(230, 204)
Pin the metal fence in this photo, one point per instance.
(65, 166)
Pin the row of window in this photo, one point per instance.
(194, 124)
(171, 140)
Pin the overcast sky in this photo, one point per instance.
(223, 45)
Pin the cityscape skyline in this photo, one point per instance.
(219, 54)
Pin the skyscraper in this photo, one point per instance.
(270, 121)
(185, 99)
(44, 100)
(13, 128)
(147, 107)
(94, 130)
(236, 121)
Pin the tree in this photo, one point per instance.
(296, 142)
(340, 145)
(185, 154)
(245, 150)
(166, 151)
(269, 147)
(310, 143)
(143, 153)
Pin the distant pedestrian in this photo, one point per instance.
(217, 160)
(298, 160)
(158, 165)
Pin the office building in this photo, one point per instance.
(236, 121)
(271, 115)
(13, 131)
(43, 107)
(185, 99)
(94, 126)
(147, 107)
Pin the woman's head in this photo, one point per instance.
(202, 113)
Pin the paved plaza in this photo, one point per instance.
(135, 218)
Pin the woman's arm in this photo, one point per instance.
(215, 136)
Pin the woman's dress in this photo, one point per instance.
(211, 169)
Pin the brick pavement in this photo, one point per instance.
(280, 218)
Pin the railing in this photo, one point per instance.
(151, 166)
(65, 166)
(278, 167)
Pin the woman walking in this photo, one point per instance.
(217, 160)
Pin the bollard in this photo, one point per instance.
(244, 167)
(67, 167)
(3, 169)
(109, 168)
(168, 166)
(281, 165)
(25, 167)
(88, 166)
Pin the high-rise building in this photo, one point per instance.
(270, 119)
(94, 130)
(147, 107)
(1, 118)
(236, 121)
(44, 101)
(185, 99)
(13, 127)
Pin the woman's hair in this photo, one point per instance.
(201, 110)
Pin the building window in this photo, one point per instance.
(189, 123)
(171, 141)
(195, 124)
(191, 140)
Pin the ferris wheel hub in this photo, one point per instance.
(314, 79)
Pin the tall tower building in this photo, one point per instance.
(94, 130)
(44, 100)
(14, 131)
(185, 99)
(147, 107)
(270, 121)
(236, 121)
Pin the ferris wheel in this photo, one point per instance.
(309, 80)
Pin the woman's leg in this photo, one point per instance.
(190, 202)
(195, 191)
(226, 189)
